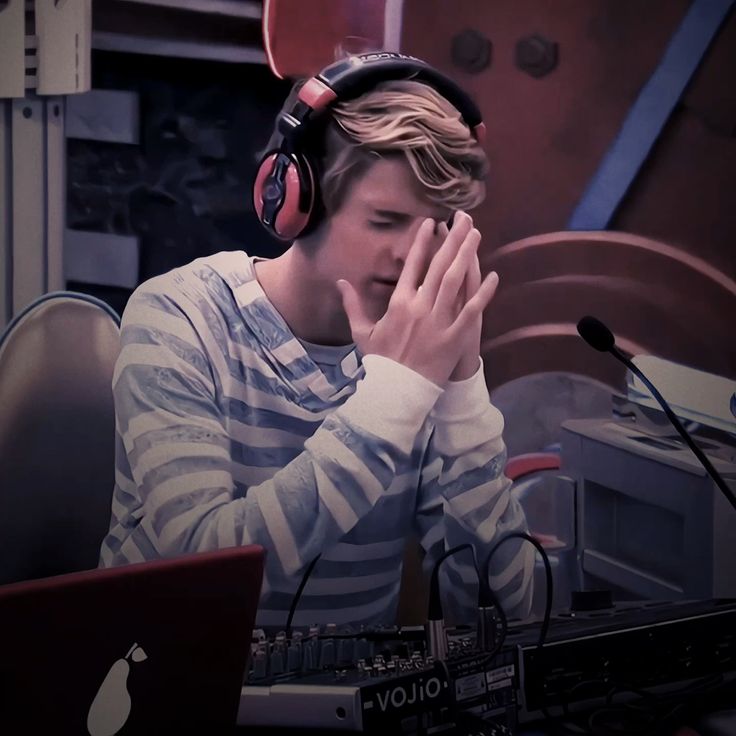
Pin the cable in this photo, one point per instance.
(548, 575)
(434, 609)
(435, 626)
(298, 594)
(653, 714)
(565, 705)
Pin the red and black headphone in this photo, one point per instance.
(285, 190)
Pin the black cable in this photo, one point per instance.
(623, 688)
(474, 725)
(565, 705)
(298, 595)
(652, 714)
(560, 727)
(504, 628)
(434, 609)
(616, 725)
(658, 714)
(548, 575)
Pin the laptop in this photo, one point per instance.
(151, 648)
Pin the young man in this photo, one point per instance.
(330, 401)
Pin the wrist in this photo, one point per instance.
(465, 398)
(391, 401)
(466, 368)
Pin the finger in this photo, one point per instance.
(462, 296)
(474, 278)
(454, 277)
(419, 253)
(476, 304)
(444, 257)
(470, 285)
(360, 325)
(442, 231)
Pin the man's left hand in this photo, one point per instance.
(470, 361)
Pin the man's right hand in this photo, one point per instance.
(422, 328)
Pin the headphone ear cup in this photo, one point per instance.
(302, 223)
(283, 194)
(265, 169)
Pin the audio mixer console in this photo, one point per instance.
(383, 681)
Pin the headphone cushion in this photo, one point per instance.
(296, 195)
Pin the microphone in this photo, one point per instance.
(598, 336)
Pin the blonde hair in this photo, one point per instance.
(410, 119)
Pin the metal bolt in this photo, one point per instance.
(471, 51)
(536, 55)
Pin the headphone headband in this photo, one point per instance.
(290, 210)
(350, 78)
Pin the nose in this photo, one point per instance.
(402, 242)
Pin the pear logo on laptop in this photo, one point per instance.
(111, 707)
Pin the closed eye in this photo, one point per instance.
(382, 225)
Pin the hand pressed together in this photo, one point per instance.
(432, 325)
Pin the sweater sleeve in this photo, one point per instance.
(178, 453)
(464, 497)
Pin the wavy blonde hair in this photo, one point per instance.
(410, 119)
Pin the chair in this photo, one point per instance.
(548, 499)
(56, 435)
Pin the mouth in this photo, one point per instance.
(388, 283)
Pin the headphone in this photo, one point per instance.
(285, 193)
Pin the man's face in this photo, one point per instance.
(366, 241)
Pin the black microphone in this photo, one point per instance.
(598, 336)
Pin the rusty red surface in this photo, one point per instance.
(301, 38)
(671, 293)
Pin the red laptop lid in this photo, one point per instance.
(156, 647)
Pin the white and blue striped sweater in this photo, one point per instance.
(230, 430)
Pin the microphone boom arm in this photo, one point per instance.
(712, 472)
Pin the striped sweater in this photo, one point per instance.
(230, 430)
